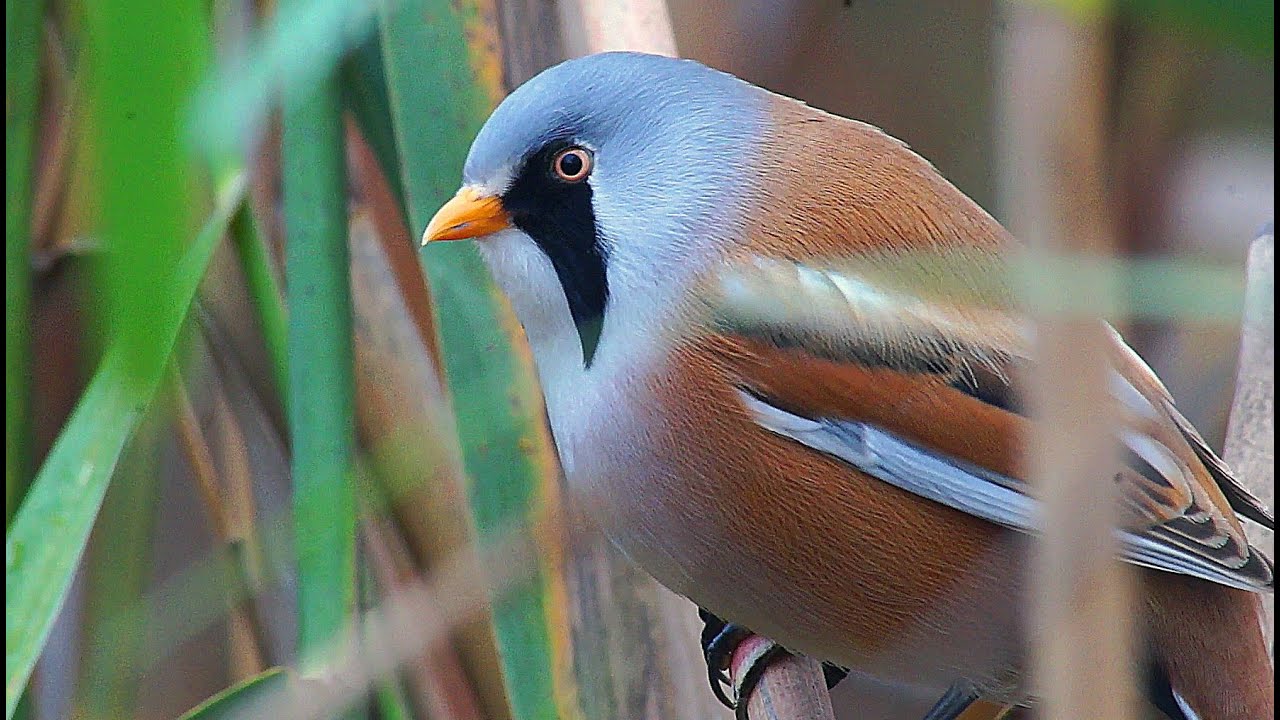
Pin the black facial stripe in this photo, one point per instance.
(560, 218)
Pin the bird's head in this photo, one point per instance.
(599, 188)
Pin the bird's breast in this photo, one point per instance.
(784, 540)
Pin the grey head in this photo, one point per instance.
(664, 148)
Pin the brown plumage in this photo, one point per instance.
(894, 204)
(839, 465)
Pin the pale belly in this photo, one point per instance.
(783, 540)
(804, 565)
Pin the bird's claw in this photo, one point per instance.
(720, 639)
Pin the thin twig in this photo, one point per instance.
(1055, 104)
(51, 175)
(248, 651)
(200, 458)
(439, 685)
(419, 616)
(230, 360)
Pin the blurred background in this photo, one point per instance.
(205, 566)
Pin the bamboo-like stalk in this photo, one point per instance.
(604, 25)
(264, 292)
(320, 382)
(1054, 92)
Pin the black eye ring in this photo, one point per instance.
(572, 164)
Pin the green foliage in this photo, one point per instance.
(118, 568)
(264, 291)
(321, 385)
(49, 532)
(299, 47)
(364, 86)
(1245, 24)
(21, 58)
(143, 62)
(232, 703)
(438, 104)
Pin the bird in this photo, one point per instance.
(783, 363)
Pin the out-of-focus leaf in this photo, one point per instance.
(299, 48)
(49, 532)
(231, 703)
(438, 104)
(321, 384)
(117, 570)
(1248, 25)
(143, 61)
(1245, 24)
(21, 60)
(264, 291)
(364, 88)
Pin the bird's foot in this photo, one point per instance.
(721, 639)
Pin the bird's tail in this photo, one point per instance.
(1209, 651)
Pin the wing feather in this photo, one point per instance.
(924, 395)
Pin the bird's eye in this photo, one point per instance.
(572, 164)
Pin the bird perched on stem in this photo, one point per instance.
(782, 357)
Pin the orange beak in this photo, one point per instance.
(468, 215)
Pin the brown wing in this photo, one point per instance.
(924, 395)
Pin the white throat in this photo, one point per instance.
(585, 404)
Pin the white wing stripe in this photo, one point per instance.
(1131, 397)
(971, 490)
(1158, 457)
(959, 485)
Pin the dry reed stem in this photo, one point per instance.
(242, 620)
(438, 683)
(248, 655)
(51, 175)
(604, 25)
(1250, 443)
(419, 616)
(1055, 104)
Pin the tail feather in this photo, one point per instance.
(1208, 644)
